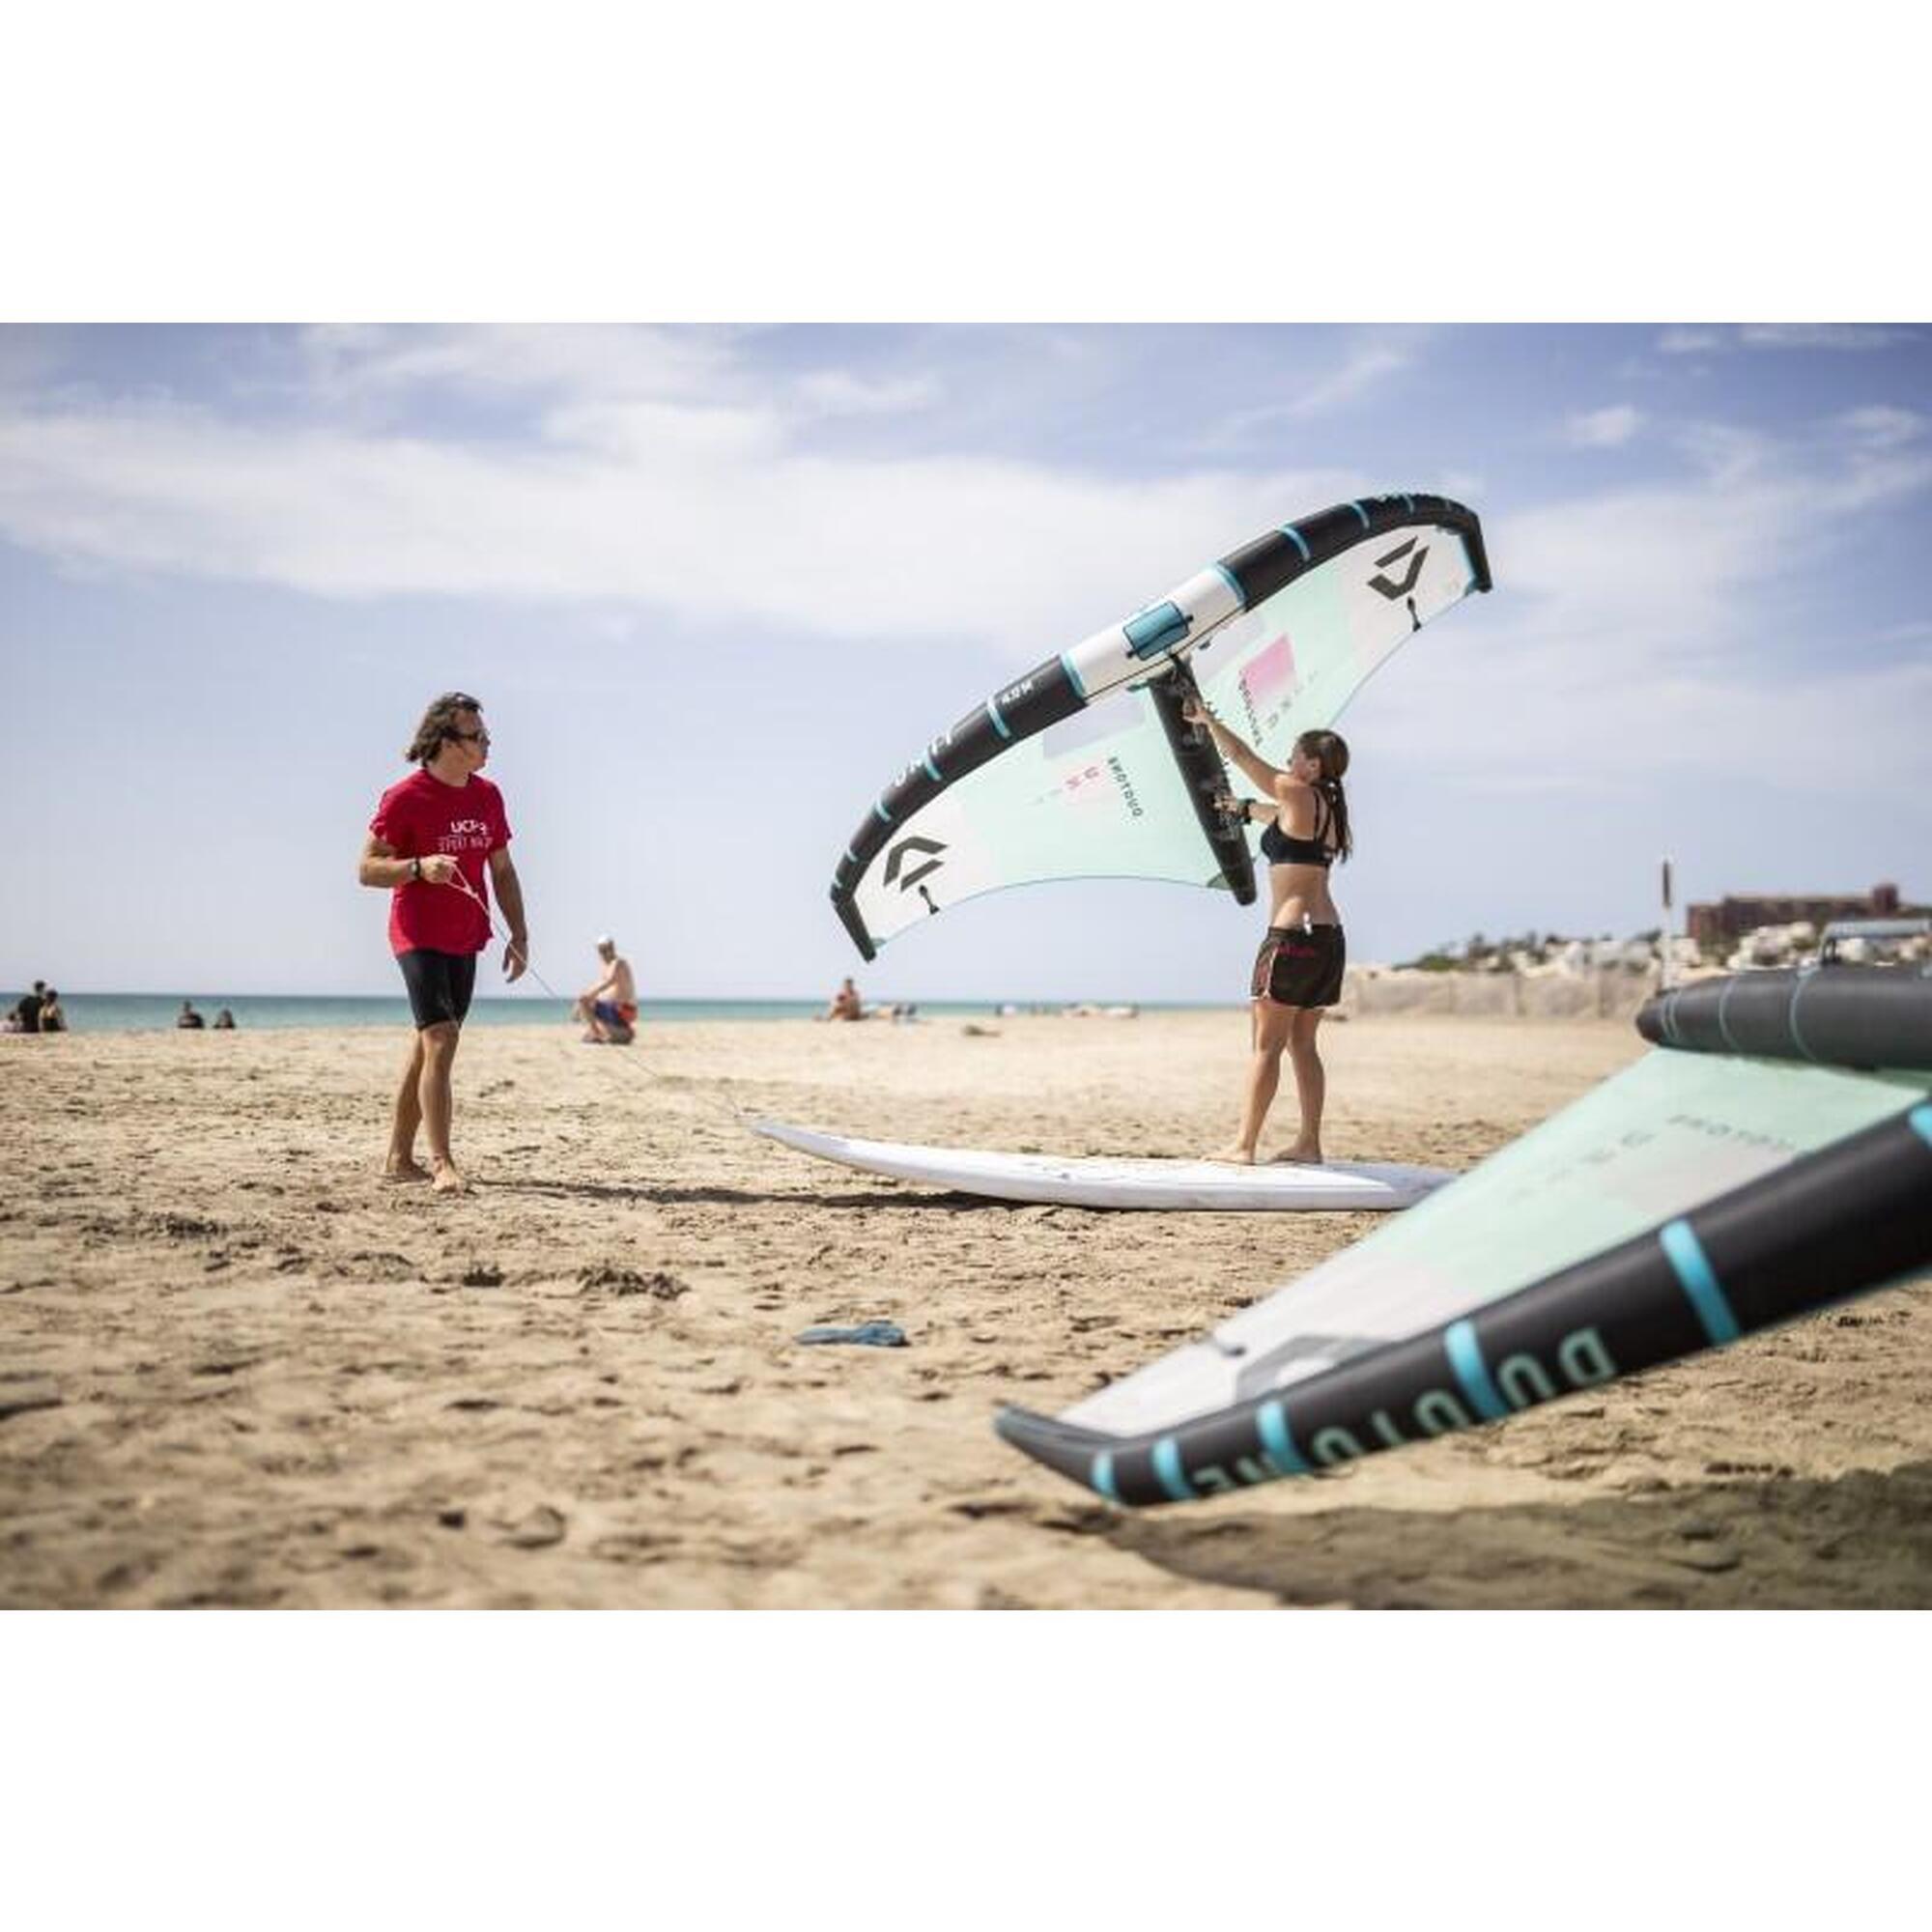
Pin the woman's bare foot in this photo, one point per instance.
(1300, 1154)
(448, 1179)
(408, 1168)
(1236, 1156)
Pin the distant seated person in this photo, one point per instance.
(845, 1005)
(26, 1014)
(52, 1019)
(224, 1021)
(608, 1009)
(189, 1017)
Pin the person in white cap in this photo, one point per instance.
(608, 1009)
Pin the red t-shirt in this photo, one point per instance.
(421, 816)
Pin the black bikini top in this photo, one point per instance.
(1283, 848)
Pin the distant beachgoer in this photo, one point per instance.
(52, 1018)
(437, 840)
(189, 1017)
(845, 1004)
(27, 1008)
(609, 1010)
(224, 1021)
(1298, 971)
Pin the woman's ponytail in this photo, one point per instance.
(1331, 750)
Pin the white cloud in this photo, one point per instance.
(709, 512)
(1727, 454)
(1603, 429)
(1364, 369)
(1852, 335)
(1587, 721)
(1637, 634)
(1882, 426)
(836, 392)
(578, 371)
(664, 479)
(1838, 335)
(1361, 371)
(590, 360)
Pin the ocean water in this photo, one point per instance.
(145, 1012)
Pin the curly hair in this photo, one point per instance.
(440, 724)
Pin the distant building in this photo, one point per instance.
(1734, 914)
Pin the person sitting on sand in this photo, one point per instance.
(439, 839)
(845, 1004)
(188, 1018)
(224, 1021)
(27, 1009)
(52, 1018)
(608, 1009)
(1298, 971)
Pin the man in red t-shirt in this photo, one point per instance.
(437, 840)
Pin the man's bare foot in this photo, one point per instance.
(1236, 1156)
(407, 1169)
(1300, 1154)
(448, 1179)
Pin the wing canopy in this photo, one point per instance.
(1084, 768)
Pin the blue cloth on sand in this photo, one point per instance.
(868, 1334)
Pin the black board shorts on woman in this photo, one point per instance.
(1300, 966)
(439, 984)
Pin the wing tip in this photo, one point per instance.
(1063, 1448)
(854, 924)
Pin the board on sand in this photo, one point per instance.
(1101, 1181)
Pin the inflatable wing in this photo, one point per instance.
(1774, 1157)
(1084, 768)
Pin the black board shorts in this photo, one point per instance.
(439, 984)
(1300, 966)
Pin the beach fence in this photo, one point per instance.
(1604, 993)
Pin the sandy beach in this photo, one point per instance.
(235, 1367)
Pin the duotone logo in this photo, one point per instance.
(1388, 587)
(906, 877)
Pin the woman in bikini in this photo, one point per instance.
(1299, 969)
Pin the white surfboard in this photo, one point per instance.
(1100, 1182)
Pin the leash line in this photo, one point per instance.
(738, 1116)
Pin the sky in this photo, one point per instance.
(717, 585)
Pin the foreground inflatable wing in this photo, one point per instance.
(1774, 1157)
(1085, 769)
